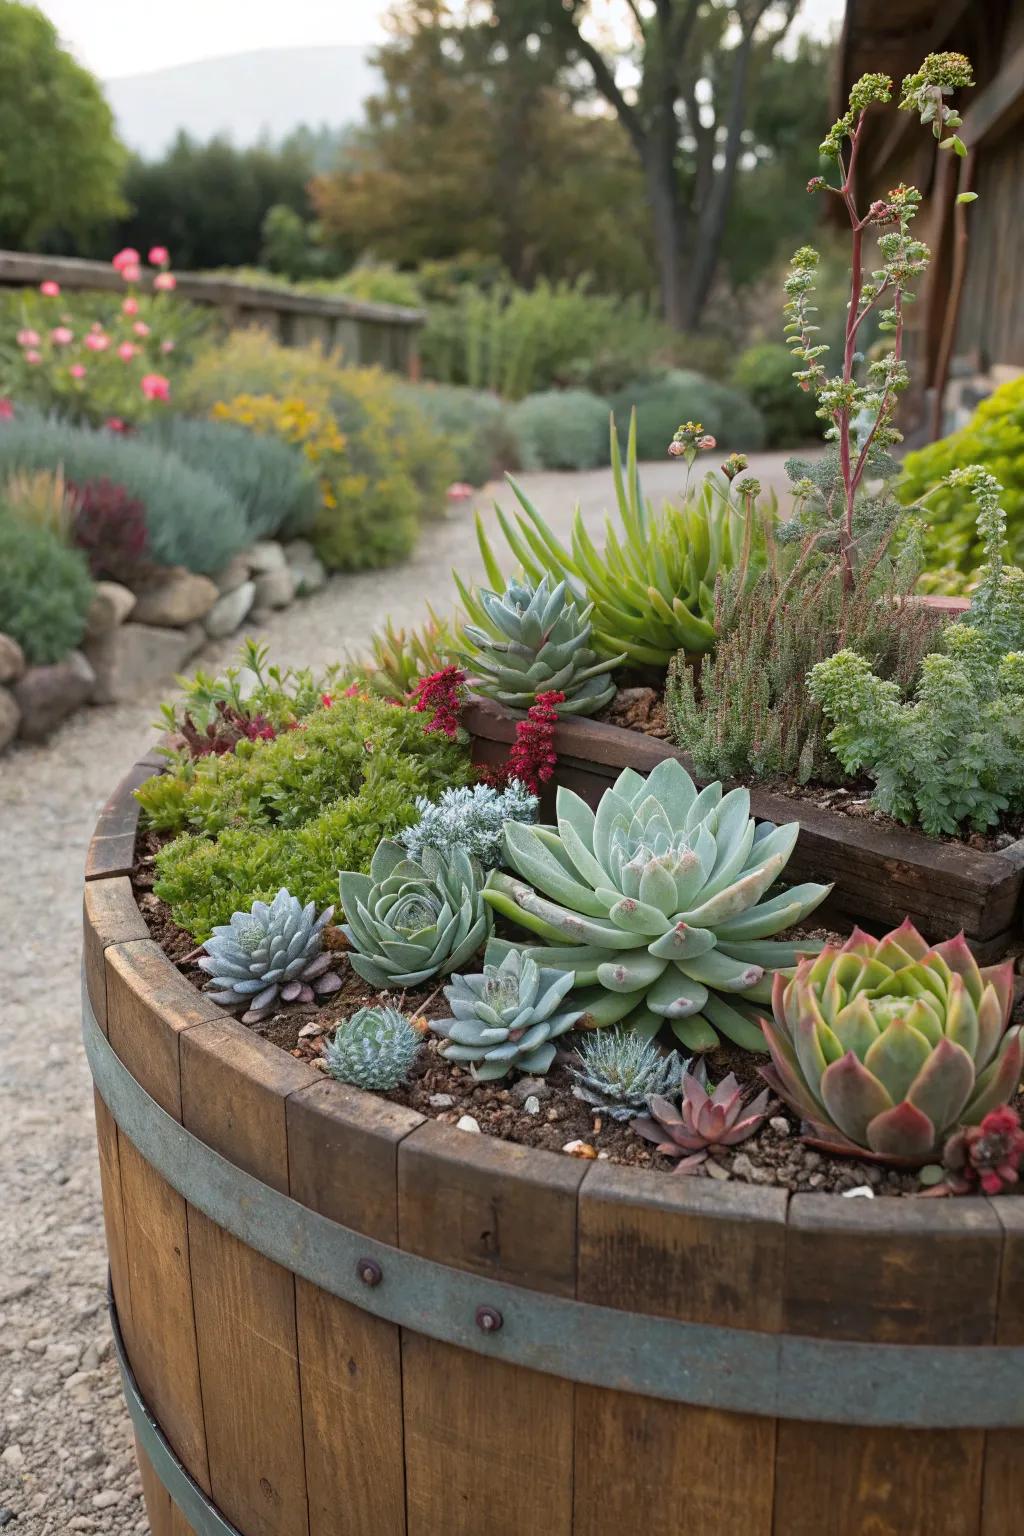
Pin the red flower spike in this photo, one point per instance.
(441, 693)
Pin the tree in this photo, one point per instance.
(61, 162)
(695, 64)
(475, 146)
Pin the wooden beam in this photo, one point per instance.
(996, 107)
(905, 122)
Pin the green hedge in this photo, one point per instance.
(45, 590)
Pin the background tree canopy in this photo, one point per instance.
(61, 164)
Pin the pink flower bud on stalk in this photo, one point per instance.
(61, 335)
(28, 338)
(707, 442)
(165, 282)
(155, 387)
(129, 257)
(140, 328)
(167, 346)
(97, 342)
(130, 307)
(131, 274)
(50, 289)
(77, 371)
(676, 450)
(33, 357)
(126, 351)
(159, 256)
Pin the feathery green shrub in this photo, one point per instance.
(679, 395)
(561, 429)
(190, 519)
(45, 590)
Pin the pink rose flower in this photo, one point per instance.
(130, 307)
(126, 351)
(165, 281)
(155, 386)
(140, 328)
(50, 289)
(28, 338)
(77, 370)
(159, 256)
(6, 408)
(97, 342)
(167, 346)
(131, 274)
(129, 257)
(33, 357)
(61, 335)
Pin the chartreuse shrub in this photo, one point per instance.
(678, 395)
(993, 439)
(190, 519)
(952, 755)
(45, 590)
(765, 375)
(561, 429)
(272, 480)
(294, 810)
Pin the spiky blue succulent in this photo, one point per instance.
(619, 1072)
(410, 919)
(472, 818)
(273, 953)
(507, 1016)
(374, 1049)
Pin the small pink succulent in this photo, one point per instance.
(50, 289)
(986, 1155)
(159, 256)
(62, 335)
(702, 1120)
(155, 387)
(165, 281)
(129, 257)
(28, 338)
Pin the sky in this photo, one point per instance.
(124, 37)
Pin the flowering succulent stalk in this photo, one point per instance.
(508, 1016)
(441, 694)
(702, 1120)
(986, 1156)
(619, 1072)
(374, 1049)
(274, 953)
(656, 903)
(884, 1046)
(410, 919)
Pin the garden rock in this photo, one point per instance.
(266, 555)
(230, 609)
(274, 589)
(233, 575)
(133, 658)
(306, 566)
(47, 695)
(179, 599)
(10, 717)
(12, 660)
(111, 604)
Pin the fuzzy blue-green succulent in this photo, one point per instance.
(656, 903)
(507, 1016)
(472, 818)
(272, 953)
(374, 1049)
(620, 1072)
(410, 919)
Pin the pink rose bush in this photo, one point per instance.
(112, 369)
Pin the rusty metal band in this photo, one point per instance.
(203, 1516)
(738, 1370)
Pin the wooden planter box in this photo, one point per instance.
(340, 1319)
(881, 874)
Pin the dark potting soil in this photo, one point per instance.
(532, 1111)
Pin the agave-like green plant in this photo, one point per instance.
(884, 1046)
(410, 919)
(620, 1072)
(655, 903)
(508, 1016)
(652, 584)
(536, 640)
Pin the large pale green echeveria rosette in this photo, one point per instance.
(410, 919)
(655, 902)
(884, 1046)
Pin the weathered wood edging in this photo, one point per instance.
(293, 1406)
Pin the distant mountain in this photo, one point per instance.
(243, 95)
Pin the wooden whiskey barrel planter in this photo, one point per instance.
(881, 874)
(340, 1319)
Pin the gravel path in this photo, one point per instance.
(66, 1459)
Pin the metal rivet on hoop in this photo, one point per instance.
(488, 1319)
(369, 1271)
